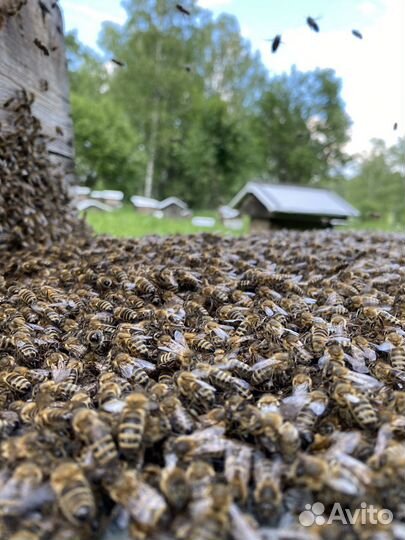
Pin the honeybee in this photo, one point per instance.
(238, 460)
(144, 286)
(187, 280)
(267, 493)
(180, 419)
(132, 368)
(289, 441)
(231, 312)
(270, 368)
(195, 389)
(310, 413)
(207, 443)
(95, 339)
(217, 294)
(376, 314)
(234, 365)
(198, 342)
(125, 314)
(8, 422)
(174, 351)
(27, 296)
(319, 336)
(16, 382)
(96, 434)
(24, 491)
(144, 503)
(75, 498)
(132, 424)
(51, 417)
(166, 279)
(175, 487)
(212, 521)
(363, 413)
(309, 471)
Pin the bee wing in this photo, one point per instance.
(268, 311)
(309, 301)
(357, 363)
(179, 338)
(241, 528)
(352, 398)
(317, 407)
(114, 406)
(221, 333)
(35, 327)
(127, 370)
(265, 362)
(291, 405)
(359, 469)
(206, 385)
(387, 346)
(343, 485)
(60, 374)
(370, 354)
(364, 381)
(44, 372)
(145, 364)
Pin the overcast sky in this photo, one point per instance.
(372, 69)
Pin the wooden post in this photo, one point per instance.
(33, 57)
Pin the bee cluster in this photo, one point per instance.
(201, 387)
(34, 202)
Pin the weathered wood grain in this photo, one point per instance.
(41, 70)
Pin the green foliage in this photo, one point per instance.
(108, 152)
(379, 186)
(128, 223)
(302, 127)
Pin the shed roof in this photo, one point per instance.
(172, 201)
(108, 194)
(144, 202)
(289, 199)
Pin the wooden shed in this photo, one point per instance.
(289, 206)
(33, 56)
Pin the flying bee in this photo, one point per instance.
(180, 419)
(195, 389)
(183, 10)
(311, 22)
(132, 424)
(238, 460)
(362, 411)
(175, 487)
(267, 494)
(275, 43)
(357, 34)
(16, 382)
(270, 368)
(96, 434)
(75, 498)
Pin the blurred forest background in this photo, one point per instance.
(194, 113)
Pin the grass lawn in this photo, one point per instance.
(128, 223)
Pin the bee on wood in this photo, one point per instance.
(75, 498)
(38, 43)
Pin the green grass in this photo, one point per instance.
(126, 222)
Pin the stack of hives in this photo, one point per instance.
(202, 388)
(34, 205)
